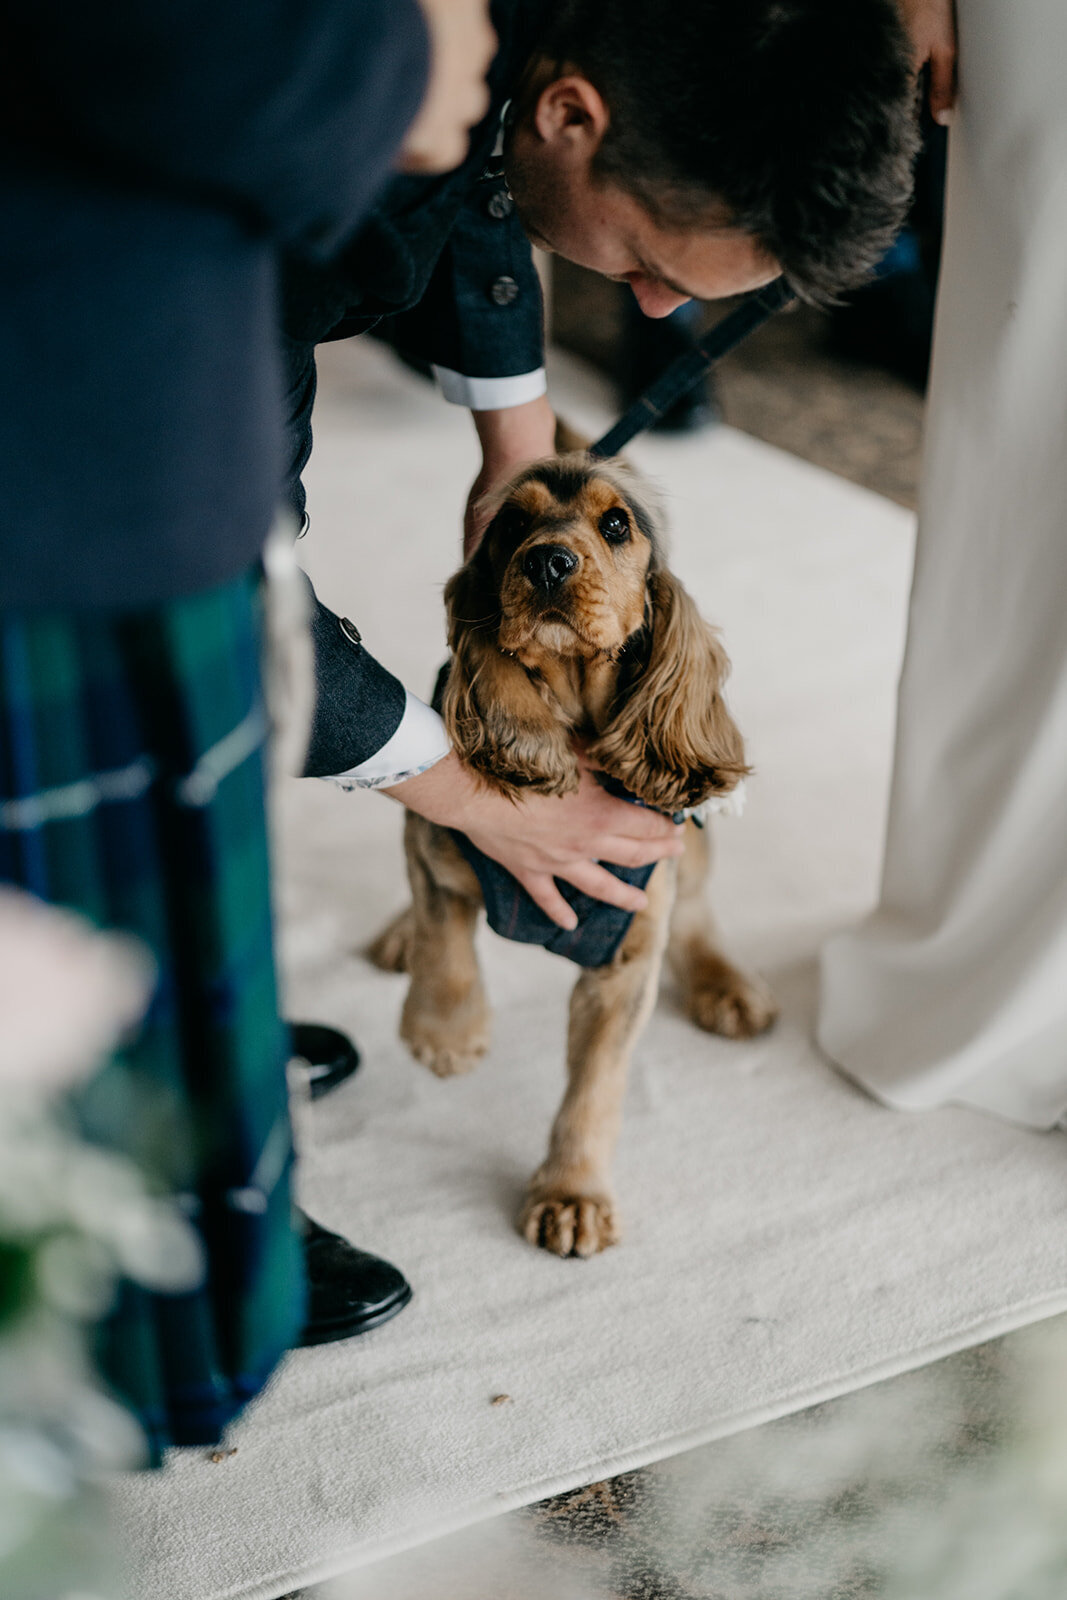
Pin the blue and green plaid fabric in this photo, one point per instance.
(132, 790)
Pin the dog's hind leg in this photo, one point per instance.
(445, 1021)
(718, 996)
(570, 1208)
(391, 950)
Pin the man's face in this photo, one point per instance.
(568, 209)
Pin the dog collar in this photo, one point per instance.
(724, 805)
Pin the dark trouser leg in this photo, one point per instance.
(298, 367)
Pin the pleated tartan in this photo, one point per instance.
(132, 790)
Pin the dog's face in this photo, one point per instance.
(567, 620)
(570, 549)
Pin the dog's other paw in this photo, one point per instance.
(569, 1224)
(733, 1005)
(449, 1046)
(446, 1062)
(391, 950)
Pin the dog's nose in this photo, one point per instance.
(547, 565)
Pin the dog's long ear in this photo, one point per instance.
(495, 714)
(670, 738)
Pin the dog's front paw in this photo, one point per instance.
(733, 1005)
(446, 1060)
(568, 1223)
(450, 1045)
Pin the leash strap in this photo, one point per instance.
(689, 368)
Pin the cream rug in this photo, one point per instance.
(786, 1239)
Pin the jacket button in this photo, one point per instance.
(350, 631)
(500, 205)
(503, 291)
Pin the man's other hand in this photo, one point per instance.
(462, 44)
(931, 27)
(510, 438)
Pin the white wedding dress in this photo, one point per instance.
(955, 989)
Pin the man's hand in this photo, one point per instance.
(542, 838)
(931, 27)
(462, 44)
(510, 439)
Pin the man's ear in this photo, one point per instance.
(495, 715)
(570, 110)
(670, 739)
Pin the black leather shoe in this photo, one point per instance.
(349, 1291)
(325, 1055)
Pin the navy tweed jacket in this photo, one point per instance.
(155, 160)
(430, 257)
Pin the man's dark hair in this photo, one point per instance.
(799, 115)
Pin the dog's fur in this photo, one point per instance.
(618, 657)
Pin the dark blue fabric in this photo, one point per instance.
(155, 159)
(601, 928)
(428, 257)
(511, 912)
(358, 703)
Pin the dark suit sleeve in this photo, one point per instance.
(288, 113)
(481, 315)
(358, 703)
(457, 325)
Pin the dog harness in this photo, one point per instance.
(601, 928)
(511, 912)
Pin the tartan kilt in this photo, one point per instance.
(132, 789)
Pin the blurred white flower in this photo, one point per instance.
(74, 1219)
(87, 1215)
(67, 992)
(76, 1276)
(32, 1461)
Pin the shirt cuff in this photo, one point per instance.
(419, 742)
(490, 394)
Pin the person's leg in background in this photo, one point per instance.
(324, 1056)
(955, 989)
(350, 1290)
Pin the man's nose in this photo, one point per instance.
(547, 565)
(655, 299)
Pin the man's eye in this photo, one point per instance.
(615, 525)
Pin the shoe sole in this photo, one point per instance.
(351, 1328)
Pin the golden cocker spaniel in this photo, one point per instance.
(566, 625)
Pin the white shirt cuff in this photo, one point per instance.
(490, 394)
(419, 742)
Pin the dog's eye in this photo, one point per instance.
(508, 526)
(615, 525)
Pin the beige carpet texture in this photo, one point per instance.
(785, 1240)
